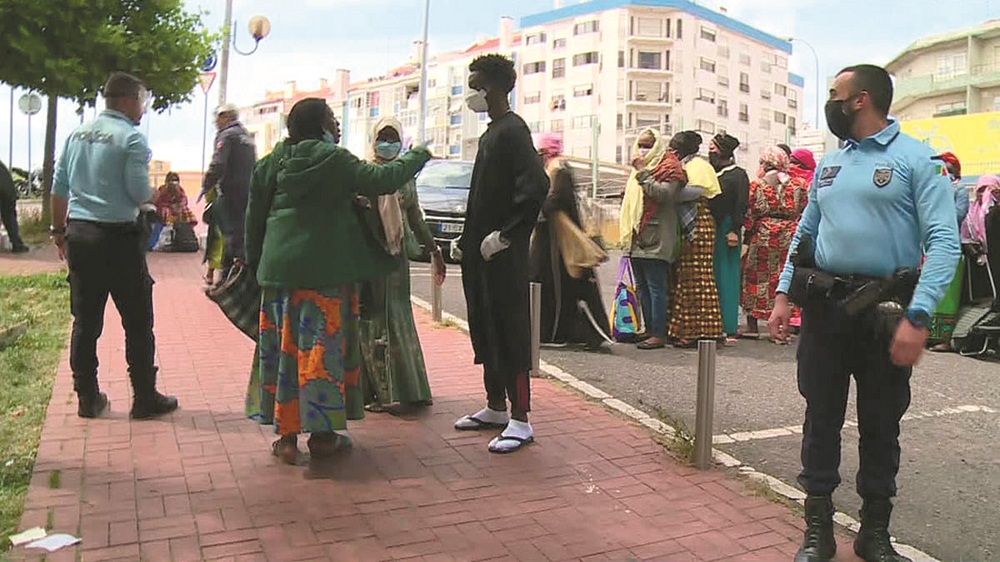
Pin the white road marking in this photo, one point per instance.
(744, 436)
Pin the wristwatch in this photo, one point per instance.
(57, 231)
(918, 318)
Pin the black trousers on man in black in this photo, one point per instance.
(8, 217)
(110, 260)
(233, 224)
(832, 347)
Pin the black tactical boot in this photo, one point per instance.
(819, 544)
(148, 402)
(872, 543)
(92, 405)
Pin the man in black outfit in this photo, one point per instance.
(8, 210)
(505, 197)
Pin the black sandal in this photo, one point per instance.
(286, 449)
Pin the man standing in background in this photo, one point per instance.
(8, 210)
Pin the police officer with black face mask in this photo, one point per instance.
(876, 208)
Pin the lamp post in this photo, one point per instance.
(422, 119)
(259, 27)
(819, 90)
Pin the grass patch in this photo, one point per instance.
(34, 230)
(27, 369)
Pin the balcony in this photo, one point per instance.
(649, 39)
(638, 71)
(649, 99)
(909, 90)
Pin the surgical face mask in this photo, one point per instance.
(476, 100)
(643, 151)
(388, 150)
(328, 137)
(838, 119)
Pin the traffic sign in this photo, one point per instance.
(30, 103)
(208, 65)
(206, 79)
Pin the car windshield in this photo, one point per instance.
(446, 175)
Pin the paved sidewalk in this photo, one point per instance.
(201, 484)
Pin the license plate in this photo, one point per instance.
(449, 228)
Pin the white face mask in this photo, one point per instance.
(476, 100)
(643, 151)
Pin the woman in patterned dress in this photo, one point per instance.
(308, 249)
(694, 297)
(776, 203)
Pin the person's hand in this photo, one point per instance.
(362, 201)
(732, 240)
(780, 318)
(438, 268)
(638, 163)
(908, 344)
(60, 241)
(424, 148)
(493, 245)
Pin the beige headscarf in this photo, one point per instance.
(631, 214)
(389, 209)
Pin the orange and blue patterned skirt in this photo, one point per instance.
(306, 373)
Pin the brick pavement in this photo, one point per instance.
(201, 484)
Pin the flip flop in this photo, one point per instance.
(645, 345)
(748, 335)
(472, 423)
(521, 442)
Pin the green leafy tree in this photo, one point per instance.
(67, 48)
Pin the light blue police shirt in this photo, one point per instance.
(879, 205)
(104, 170)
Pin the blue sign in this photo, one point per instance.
(208, 65)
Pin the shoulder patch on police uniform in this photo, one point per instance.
(882, 177)
(827, 174)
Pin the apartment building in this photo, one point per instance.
(624, 65)
(601, 70)
(956, 73)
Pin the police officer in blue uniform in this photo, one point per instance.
(876, 208)
(101, 180)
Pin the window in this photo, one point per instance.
(650, 60)
(765, 91)
(708, 34)
(582, 122)
(454, 150)
(581, 59)
(583, 91)
(455, 119)
(619, 123)
(745, 82)
(535, 126)
(744, 113)
(535, 39)
(680, 28)
(706, 126)
(996, 103)
(558, 68)
(559, 44)
(724, 81)
(708, 65)
(765, 67)
(745, 58)
(946, 109)
(371, 99)
(668, 28)
(558, 103)
(723, 108)
(618, 154)
(780, 118)
(646, 91)
(533, 97)
(780, 61)
(586, 27)
(952, 65)
(723, 51)
(556, 126)
(649, 27)
(643, 120)
(765, 123)
(781, 90)
(432, 83)
(791, 123)
(706, 95)
(534, 67)
(621, 59)
(793, 99)
(457, 90)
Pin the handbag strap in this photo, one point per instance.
(625, 271)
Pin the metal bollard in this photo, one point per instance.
(536, 327)
(705, 404)
(435, 301)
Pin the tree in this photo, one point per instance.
(67, 48)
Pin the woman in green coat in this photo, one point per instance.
(392, 363)
(309, 250)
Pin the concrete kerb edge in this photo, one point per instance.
(777, 486)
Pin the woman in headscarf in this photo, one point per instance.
(392, 363)
(943, 320)
(563, 259)
(695, 312)
(171, 202)
(728, 210)
(308, 249)
(981, 232)
(776, 203)
(648, 226)
(803, 164)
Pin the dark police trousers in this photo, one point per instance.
(109, 259)
(832, 347)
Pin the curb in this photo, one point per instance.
(777, 486)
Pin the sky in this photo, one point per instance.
(310, 39)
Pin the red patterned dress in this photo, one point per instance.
(772, 216)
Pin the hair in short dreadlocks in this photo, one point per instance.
(497, 69)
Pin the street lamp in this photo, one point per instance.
(259, 27)
(819, 90)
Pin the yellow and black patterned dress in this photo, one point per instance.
(694, 299)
